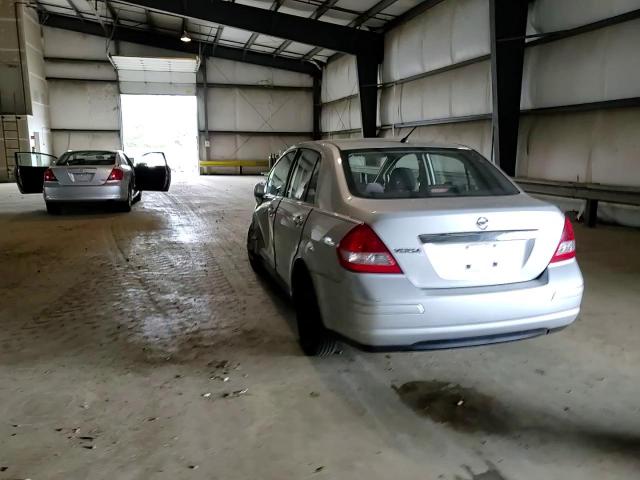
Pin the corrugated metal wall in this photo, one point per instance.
(83, 91)
(437, 72)
(24, 98)
(252, 111)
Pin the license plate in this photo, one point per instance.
(485, 257)
(82, 177)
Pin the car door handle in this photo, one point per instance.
(298, 219)
(271, 211)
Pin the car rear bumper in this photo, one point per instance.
(381, 312)
(85, 193)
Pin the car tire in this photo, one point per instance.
(53, 208)
(252, 253)
(126, 205)
(314, 338)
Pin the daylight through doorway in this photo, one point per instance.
(166, 123)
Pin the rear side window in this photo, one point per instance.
(302, 174)
(88, 157)
(278, 176)
(422, 173)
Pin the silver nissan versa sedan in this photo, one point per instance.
(396, 246)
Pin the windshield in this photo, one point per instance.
(422, 172)
(87, 157)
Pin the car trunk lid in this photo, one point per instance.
(469, 242)
(82, 175)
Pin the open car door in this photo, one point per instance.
(30, 168)
(152, 172)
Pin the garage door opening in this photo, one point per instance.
(166, 123)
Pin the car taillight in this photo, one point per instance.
(49, 176)
(116, 174)
(567, 246)
(361, 250)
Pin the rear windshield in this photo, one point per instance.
(422, 172)
(92, 157)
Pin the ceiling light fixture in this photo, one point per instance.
(185, 37)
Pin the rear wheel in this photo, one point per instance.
(53, 208)
(252, 249)
(126, 205)
(315, 340)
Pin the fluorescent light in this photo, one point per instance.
(185, 37)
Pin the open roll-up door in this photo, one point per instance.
(156, 75)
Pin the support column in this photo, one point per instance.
(368, 88)
(591, 213)
(317, 106)
(508, 28)
(205, 107)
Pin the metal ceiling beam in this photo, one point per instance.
(318, 12)
(75, 8)
(276, 24)
(149, 19)
(372, 12)
(508, 22)
(112, 11)
(274, 8)
(155, 39)
(97, 16)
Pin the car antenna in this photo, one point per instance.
(405, 138)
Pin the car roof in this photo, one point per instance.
(93, 150)
(361, 143)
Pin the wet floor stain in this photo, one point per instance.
(491, 474)
(461, 408)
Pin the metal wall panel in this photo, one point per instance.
(257, 109)
(339, 78)
(341, 115)
(63, 141)
(448, 33)
(85, 70)
(600, 65)
(476, 135)
(79, 104)
(220, 70)
(60, 43)
(226, 146)
(454, 93)
(552, 15)
(598, 146)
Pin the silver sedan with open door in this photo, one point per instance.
(84, 176)
(411, 246)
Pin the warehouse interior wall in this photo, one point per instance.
(436, 73)
(24, 98)
(251, 110)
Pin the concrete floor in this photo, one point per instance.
(117, 331)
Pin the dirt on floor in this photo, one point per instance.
(141, 345)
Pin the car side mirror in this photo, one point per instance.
(258, 192)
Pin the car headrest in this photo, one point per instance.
(401, 180)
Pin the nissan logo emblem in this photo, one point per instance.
(482, 223)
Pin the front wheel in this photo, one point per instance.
(315, 340)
